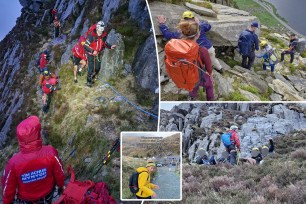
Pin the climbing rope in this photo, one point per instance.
(132, 104)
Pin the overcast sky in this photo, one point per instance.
(10, 10)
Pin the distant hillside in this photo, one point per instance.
(168, 146)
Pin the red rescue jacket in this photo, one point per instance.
(78, 50)
(33, 171)
(95, 42)
(43, 61)
(48, 84)
(235, 139)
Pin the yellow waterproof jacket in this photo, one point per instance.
(144, 184)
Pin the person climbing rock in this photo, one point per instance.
(291, 50)
(94, 45)
(231, 142)
(144, 182)
(57, 26)
(44, 60)
(190, 33)
(32, 174)
(202, 40)
(45, 75)
(267, 53)
(247, 44)
(79, 58)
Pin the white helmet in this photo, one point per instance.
(100, 27)
(233, 127)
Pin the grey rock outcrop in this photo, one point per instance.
(139, 12)
(257, 123)
(112, 61)
(145, 65)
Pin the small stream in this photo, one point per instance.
(168, 181)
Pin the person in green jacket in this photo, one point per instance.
(144, 182)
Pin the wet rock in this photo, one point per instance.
(118, 99)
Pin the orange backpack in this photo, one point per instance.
(182, 61)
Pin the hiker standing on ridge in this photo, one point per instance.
(232, 143)
(144, 182)
(202, 39)
(57, 26)
(94, 45)
(35, 170)
(291, 50)
(247, 44)
(79, 58)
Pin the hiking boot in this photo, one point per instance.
(75, 81)
(220, 71)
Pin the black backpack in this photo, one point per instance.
(133, 184)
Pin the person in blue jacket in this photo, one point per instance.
(267, 53)
(202, 40)
(247, 44)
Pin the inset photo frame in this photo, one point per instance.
(151, 166)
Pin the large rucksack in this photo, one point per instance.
(226, 139)
(301, 45)
(182, 62)
(86, 192)
(133, 183)
(244, 44)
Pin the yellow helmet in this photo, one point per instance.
(255, 149)
(263, 43)
(187, 14)
(265, 147)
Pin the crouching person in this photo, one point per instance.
(33, 172)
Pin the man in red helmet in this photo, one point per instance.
(79, 57)
(33, 172)
(95, 43)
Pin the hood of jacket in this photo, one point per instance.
(28, 134)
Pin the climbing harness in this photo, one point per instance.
(115, 146)
(135, 106)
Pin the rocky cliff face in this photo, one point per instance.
(95, 115)
(203, 124)
(236, 83)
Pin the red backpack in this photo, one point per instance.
(182, 61)
(86, 192)
(78, 50)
